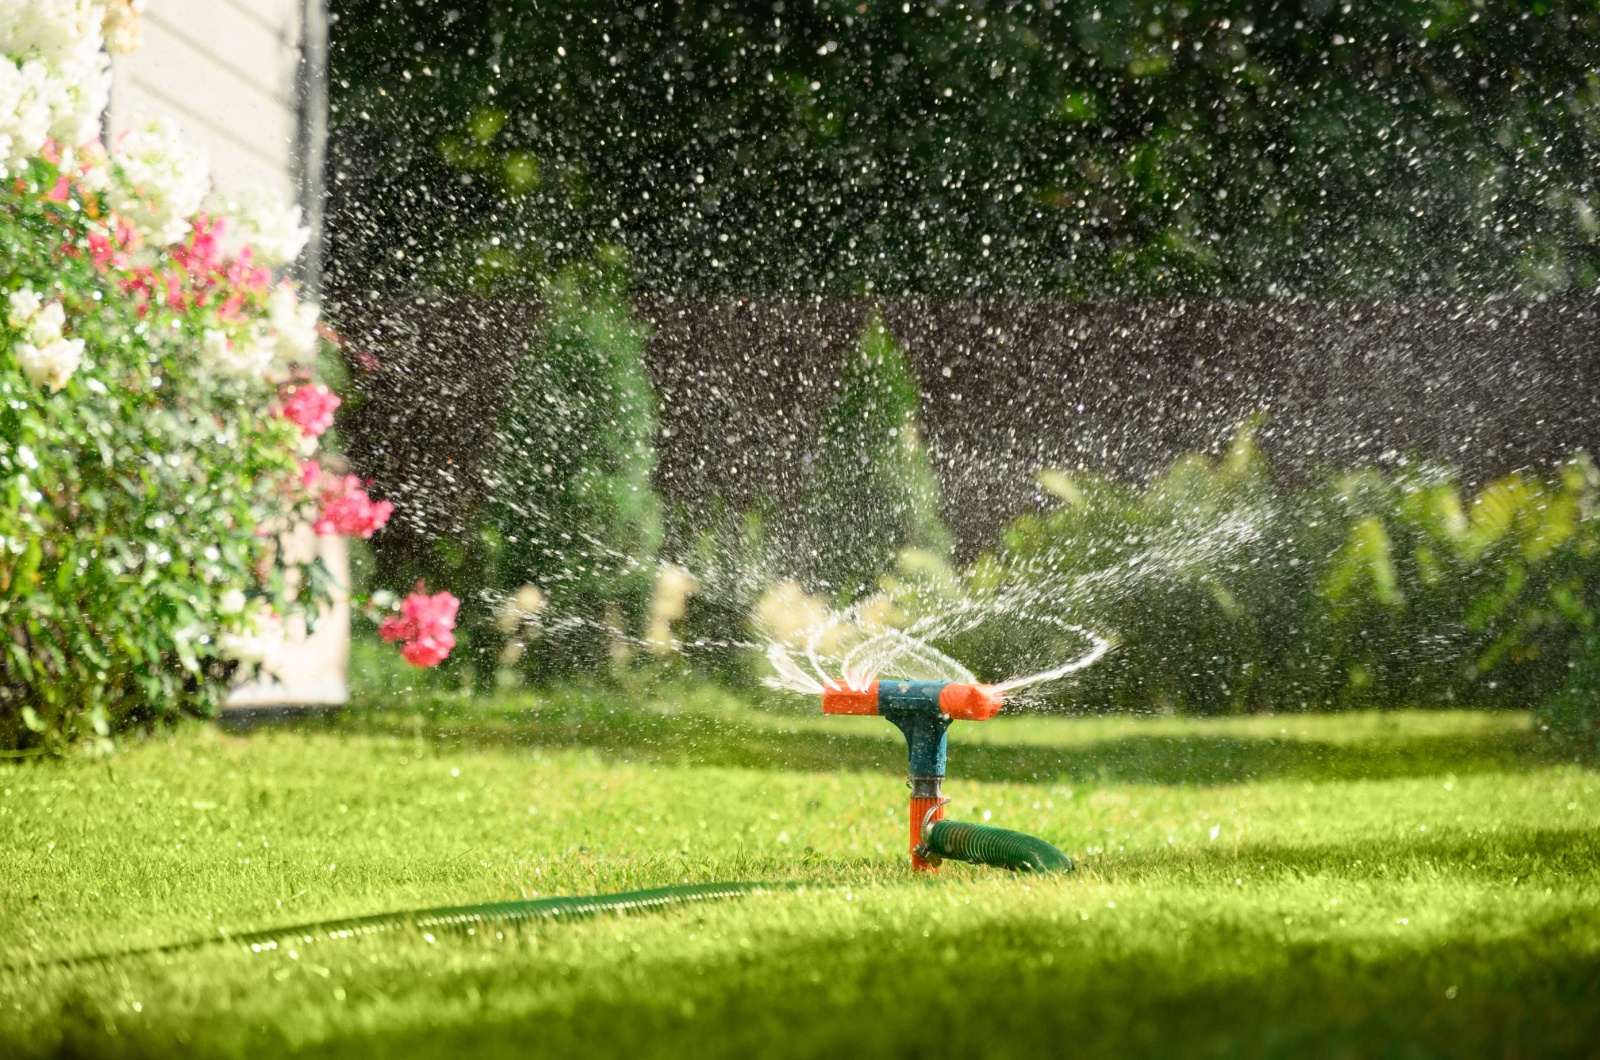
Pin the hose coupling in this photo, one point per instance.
(921, 849)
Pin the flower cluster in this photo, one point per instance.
(423, 627)
(271, 231)
(345, 507)
(259, 327)
(161, 183)
(55, 78)
(45, 356)
(309, 407)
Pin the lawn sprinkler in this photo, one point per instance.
(923, 711)
(898, 675)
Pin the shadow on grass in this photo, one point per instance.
(709, 739)
(1016, 986)
(1501, 857)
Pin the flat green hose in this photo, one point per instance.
(468, 918)
(460, 918)
(983, 844)
(979, 844)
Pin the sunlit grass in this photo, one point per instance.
(1397, 884)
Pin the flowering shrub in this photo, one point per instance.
(156, 407)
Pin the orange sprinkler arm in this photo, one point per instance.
(850, 701)
(970, 702)
(955, 700)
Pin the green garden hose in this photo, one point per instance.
(957, 840)
(982, 844)
(466, 919)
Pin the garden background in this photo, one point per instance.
(1103, 236)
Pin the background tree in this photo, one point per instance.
(573, 511)
(873, 492)
(1101, 148)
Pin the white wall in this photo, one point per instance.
(225, 71)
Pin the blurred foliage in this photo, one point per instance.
(573, 512)
(1085, 147)
(872, 491)
(1226, 594)
(730, 556)
(1572, 715)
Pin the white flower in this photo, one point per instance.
(56, 31)
(259, 640)
(247, 359)
(294, 324)
(122, 24)
(46, 325)
(25, 113)
(46, 358)
(215, 342)
(25, 303)
(263, 223)
(260, 352)
(231, 602)
(95, 171)
(161, 182)
(52, 364)
(55, 79)
(80, 93)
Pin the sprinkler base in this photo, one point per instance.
(927, 806)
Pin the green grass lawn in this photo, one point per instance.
(1399, 885)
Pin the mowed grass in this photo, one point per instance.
(1404, 884)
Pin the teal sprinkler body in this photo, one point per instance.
(923, 711)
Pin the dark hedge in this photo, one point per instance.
(1091, 147)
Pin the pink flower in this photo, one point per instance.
(203, 254)
(424, 624)
(427, 651)
(310, 408)
(102, 250)
(346, 508)
(242, 273)
(396, 628)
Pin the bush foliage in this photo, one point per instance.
(1227, 593)
(872, 492)
(574, 516)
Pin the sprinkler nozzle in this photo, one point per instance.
(970, 702)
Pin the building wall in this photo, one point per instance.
(227, 72)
